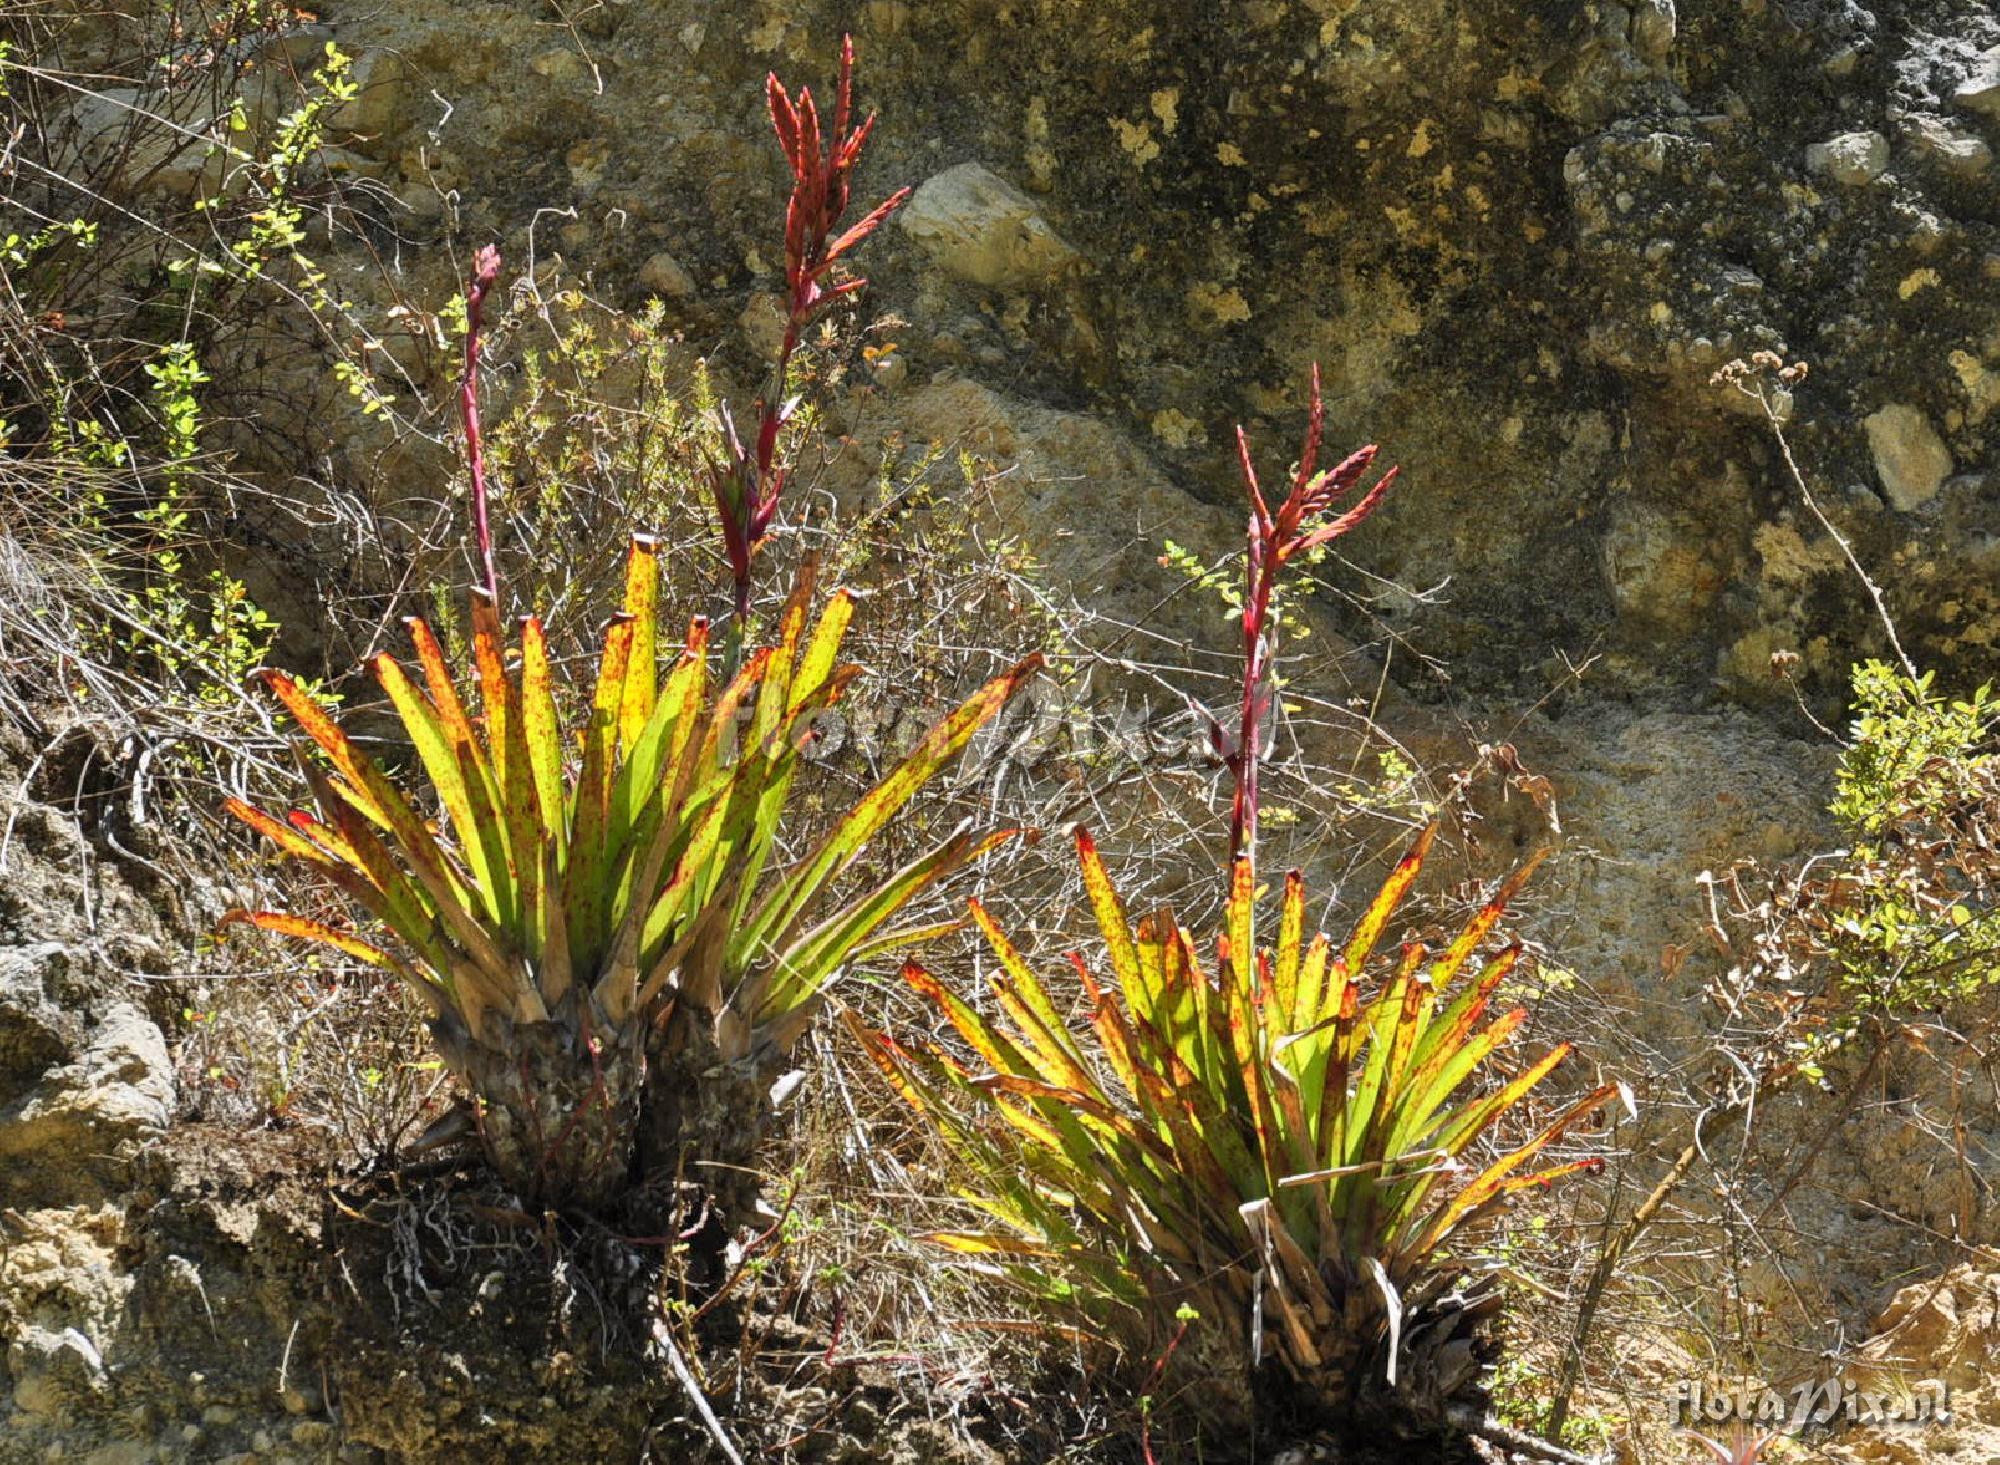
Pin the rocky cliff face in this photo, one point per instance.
(1519, 238)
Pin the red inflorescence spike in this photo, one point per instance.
(747, 491)
(1349, 521)
(1260, 515)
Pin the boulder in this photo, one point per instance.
(1911, 460)
(1980, 92)
(981, 228)
(1854, 158)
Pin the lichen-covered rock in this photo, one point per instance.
(1980, 91)
(1489, 223)
(1854, 158)
(1911, 460)
(1658, 569)
(984, 230)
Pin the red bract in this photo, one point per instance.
(1273, 541)
(820, 174)
(748, 486)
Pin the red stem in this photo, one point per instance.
(485, 271)
(1152, 1383)
(774, 403)
(1250, 732)
(758, 500)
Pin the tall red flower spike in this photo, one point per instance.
(1273, 541)
(749, 484)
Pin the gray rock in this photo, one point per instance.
(301, 49)
(1910, 458)
(117, 1094)
(1980, 92)
(1853, 158)
(385, 92)
(122, 135)
(1955, 149)
(344, 164)
(984, 230)
(664, 276)
(35, 1033)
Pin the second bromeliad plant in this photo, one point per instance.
(1269, 1158)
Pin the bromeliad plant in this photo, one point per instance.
(589, 885)
(607, 920)
(1284, 1146)
(1271, 1139)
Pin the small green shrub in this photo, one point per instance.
(1911, 752)
(1905, 918)
(108, 432)
(196, 626)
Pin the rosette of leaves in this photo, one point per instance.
(1281, 1149)
(596, 901)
